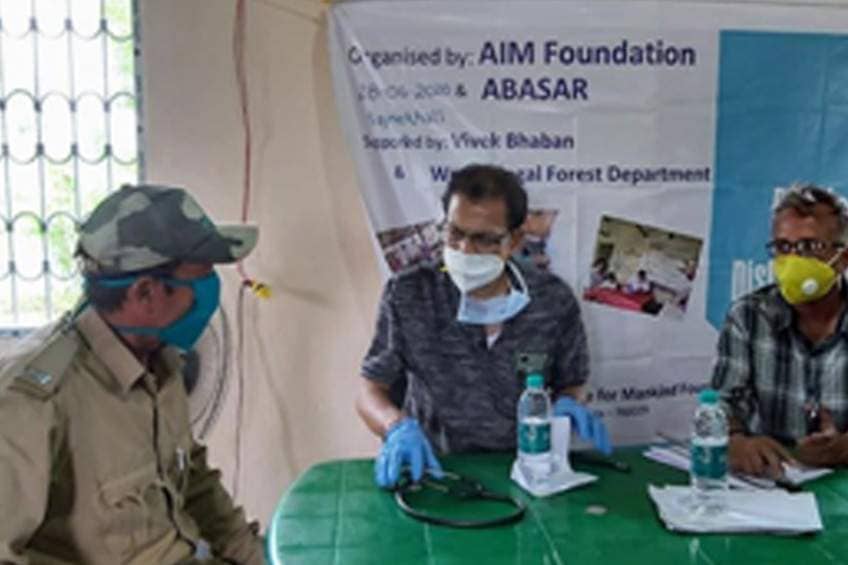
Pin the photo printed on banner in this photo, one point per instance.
(642, 268)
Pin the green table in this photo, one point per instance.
(333, 514)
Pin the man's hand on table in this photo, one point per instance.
(588, 426)
(757, 455)
(405, 445)
(825, 448)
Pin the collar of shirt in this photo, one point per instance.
(120, 361)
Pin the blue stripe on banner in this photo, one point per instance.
(782, 118)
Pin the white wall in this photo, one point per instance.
(305, 344)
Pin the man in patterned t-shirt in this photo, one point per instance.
(464, 335)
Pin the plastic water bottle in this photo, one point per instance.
(534, 430)
(709, 453)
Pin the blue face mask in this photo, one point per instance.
(184, 332)
(494, 310)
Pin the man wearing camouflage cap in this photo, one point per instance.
(97, 460)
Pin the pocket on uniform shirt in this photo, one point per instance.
(127, 520)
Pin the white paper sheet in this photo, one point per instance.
(679, 458)
(561, 480)
(563, 477)
(774, 511)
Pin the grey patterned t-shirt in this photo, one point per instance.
(462, 392)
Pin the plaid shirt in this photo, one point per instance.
(767, 372)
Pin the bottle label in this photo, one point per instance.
(709, 461)
(534, 438)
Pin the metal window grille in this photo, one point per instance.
(69, 134)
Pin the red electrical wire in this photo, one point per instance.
(241, 82)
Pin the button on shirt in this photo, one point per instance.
(461, 391)
(767, 371)
(104, 468)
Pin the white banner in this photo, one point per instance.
(649, 135)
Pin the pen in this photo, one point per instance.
(601, 460)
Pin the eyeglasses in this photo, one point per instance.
(481, 240)
(806, 247)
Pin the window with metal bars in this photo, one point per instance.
(69, 134)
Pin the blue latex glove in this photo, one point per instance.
(587, 425)
(405, 445)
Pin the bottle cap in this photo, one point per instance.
(535, 380)
(708, 396)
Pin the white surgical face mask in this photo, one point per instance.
(495, 310)
(470, 271)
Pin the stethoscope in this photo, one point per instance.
(463, 488)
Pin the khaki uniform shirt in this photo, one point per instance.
(97, 460)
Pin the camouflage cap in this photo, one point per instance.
(145, 226)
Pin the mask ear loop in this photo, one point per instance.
(518, 277)
(836, 256)
(810, 286)
(835, 259)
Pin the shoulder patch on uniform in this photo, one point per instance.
(42, 374)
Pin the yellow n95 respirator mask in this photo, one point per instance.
(803, 279)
